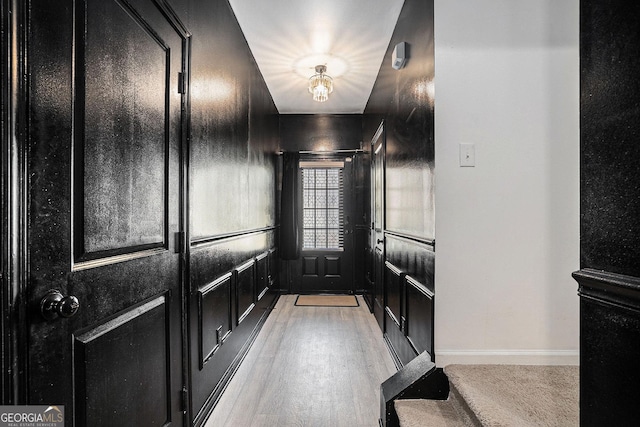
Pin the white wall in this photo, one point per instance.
(507, 230)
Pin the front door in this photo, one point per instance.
(105, 222)
(326, 256)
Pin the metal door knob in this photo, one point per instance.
(380, 241)
(55, 304)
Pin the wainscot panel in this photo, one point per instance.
(401, 350)
(214, 320)
(394, 287)
(262, 275)
(245, 290)
(415, 257)
(419, 315)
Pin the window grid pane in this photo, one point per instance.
(322, 208)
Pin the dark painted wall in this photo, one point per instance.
(232, 195)
(234, 127)
(610, 210)
(320, 132)
(403, 99)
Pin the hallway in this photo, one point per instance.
(146, 205)
(309, 366)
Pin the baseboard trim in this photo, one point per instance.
(508, 357)
(392, 352)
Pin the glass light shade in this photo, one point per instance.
(320, 84)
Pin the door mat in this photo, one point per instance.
(327, 301)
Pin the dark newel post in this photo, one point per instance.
(289, 239)
(609, 275)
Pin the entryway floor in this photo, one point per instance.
(309, 366)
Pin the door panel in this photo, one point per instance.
(147, 333)
(124, 124)
(107, 231)
(322, 271)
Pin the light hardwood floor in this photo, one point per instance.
(309, 366)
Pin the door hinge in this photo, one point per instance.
(182, 84)
(185, 399)
(180, 243)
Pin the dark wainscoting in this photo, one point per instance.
(233, 287)
(409, 296)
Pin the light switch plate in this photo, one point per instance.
(467, 155)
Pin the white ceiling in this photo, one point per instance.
(288, 38)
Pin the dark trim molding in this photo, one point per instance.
(395, 269)
(410, 237)
(392, 352)
(419, 286)
(203, 241)
(609, 288)
(14, 191)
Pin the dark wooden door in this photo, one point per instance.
(377, 226)
(326, 262)
(105, 223)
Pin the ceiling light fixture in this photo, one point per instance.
(320, 84)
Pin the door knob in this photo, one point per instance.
(55, 304)
(380, 241)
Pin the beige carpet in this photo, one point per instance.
(431, 413)
(515, 395)
(327, 300)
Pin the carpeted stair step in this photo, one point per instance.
(431, 413)
(517, 395)
(500, 396)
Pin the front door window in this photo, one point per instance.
(323, 225)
